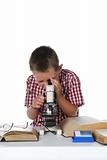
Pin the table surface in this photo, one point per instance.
(49, 139)
(52, 147)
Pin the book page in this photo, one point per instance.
(84, 120)
(8, 128)
(1, 134)
(28, 129)
(102, 132)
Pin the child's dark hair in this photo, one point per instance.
(42, 58)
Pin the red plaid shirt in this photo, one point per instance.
(71, 90)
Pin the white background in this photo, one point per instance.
(76, 29)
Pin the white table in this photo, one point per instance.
(50, 147)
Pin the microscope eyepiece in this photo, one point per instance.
(49, 82)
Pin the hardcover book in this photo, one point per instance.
(82, 123)
(101, 136)
(18, 133)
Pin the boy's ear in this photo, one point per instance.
(60, 66)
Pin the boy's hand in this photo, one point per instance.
(57, 86)
(38, 102)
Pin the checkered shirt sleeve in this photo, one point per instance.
(32, 91)
(74, 90)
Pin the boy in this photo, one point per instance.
(44, 64)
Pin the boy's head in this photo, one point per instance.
(43, 58)
(44, 64)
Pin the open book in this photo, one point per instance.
(18, 133)
(82, 123)
(101, 135)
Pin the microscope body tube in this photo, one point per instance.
(50, 93)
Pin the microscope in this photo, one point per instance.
(50, 107)
(50, 111)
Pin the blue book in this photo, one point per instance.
(83, 136)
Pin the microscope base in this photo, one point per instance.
(56, 129)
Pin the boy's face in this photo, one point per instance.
(43, 77)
